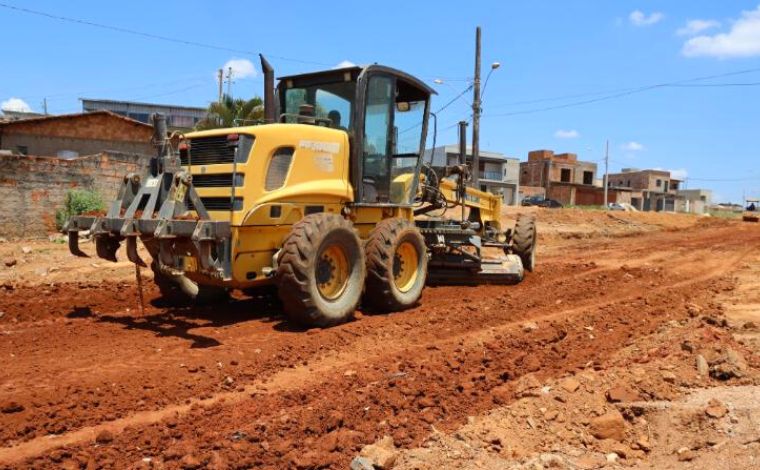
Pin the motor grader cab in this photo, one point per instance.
(751, 207)
(324, 201)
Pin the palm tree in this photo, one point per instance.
(231, 112)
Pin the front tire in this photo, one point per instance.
(524, 241)
(321, 271)
(396, 266)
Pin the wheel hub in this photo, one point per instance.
(405, 264)
(332, 272)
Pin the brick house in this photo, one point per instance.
(72, 135)
(564, 178)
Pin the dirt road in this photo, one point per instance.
(87, 382)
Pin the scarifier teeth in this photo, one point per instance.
(74, 245)
(106, 247)
(132, 252)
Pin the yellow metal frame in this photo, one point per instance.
(318, 176)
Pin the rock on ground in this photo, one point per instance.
(608, 426)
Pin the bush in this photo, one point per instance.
(77, 202)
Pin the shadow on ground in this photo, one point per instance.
(179, 321)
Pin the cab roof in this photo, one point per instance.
(326, 76)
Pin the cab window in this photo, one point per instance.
(393, 129)
(333, 101)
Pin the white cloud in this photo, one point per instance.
(694, 27)
(15, 104)
(743, 40)
(639, 18)
(677, 174)
(567, 134)
(241, 68)
(632, 146)
(344, 64)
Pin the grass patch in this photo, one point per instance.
(78, 202)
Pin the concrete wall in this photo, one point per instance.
(698, 200)
(529, 191)
(513, 170)
(33, 188)
(582, 195)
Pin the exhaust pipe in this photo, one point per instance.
(159, 142)
(270, 114)
(462, 142)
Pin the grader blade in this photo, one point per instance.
(503, 271)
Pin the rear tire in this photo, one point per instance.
(396, 266)
(180, 290)
(321, 271)
(524, 241)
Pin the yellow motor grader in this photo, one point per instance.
(751, 213)
(330, 200)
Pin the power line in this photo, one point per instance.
(57, 96)
(173, 92)
(437, 111)
(143, 34)
(724, 180)
(454, 99)
(717, 85)
(631, 91)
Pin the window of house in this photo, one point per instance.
(588, 177)
(658, 183)
(565, 175)
(22, 149)
(628, 183)
(666, 186)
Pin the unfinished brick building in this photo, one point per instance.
(564, 178)
(545, 167)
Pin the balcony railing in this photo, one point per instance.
(491, 175)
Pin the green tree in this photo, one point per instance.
(231, 112)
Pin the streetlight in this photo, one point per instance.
(494, 66)
(440, 81)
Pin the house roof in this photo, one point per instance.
(440, 151)
(141, 103)
(49, 118)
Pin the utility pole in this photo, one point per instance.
(606, 173)
(44, 105)
(220, 79)
(476, 114)
(229, 81)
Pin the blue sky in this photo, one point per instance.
(553, 54)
